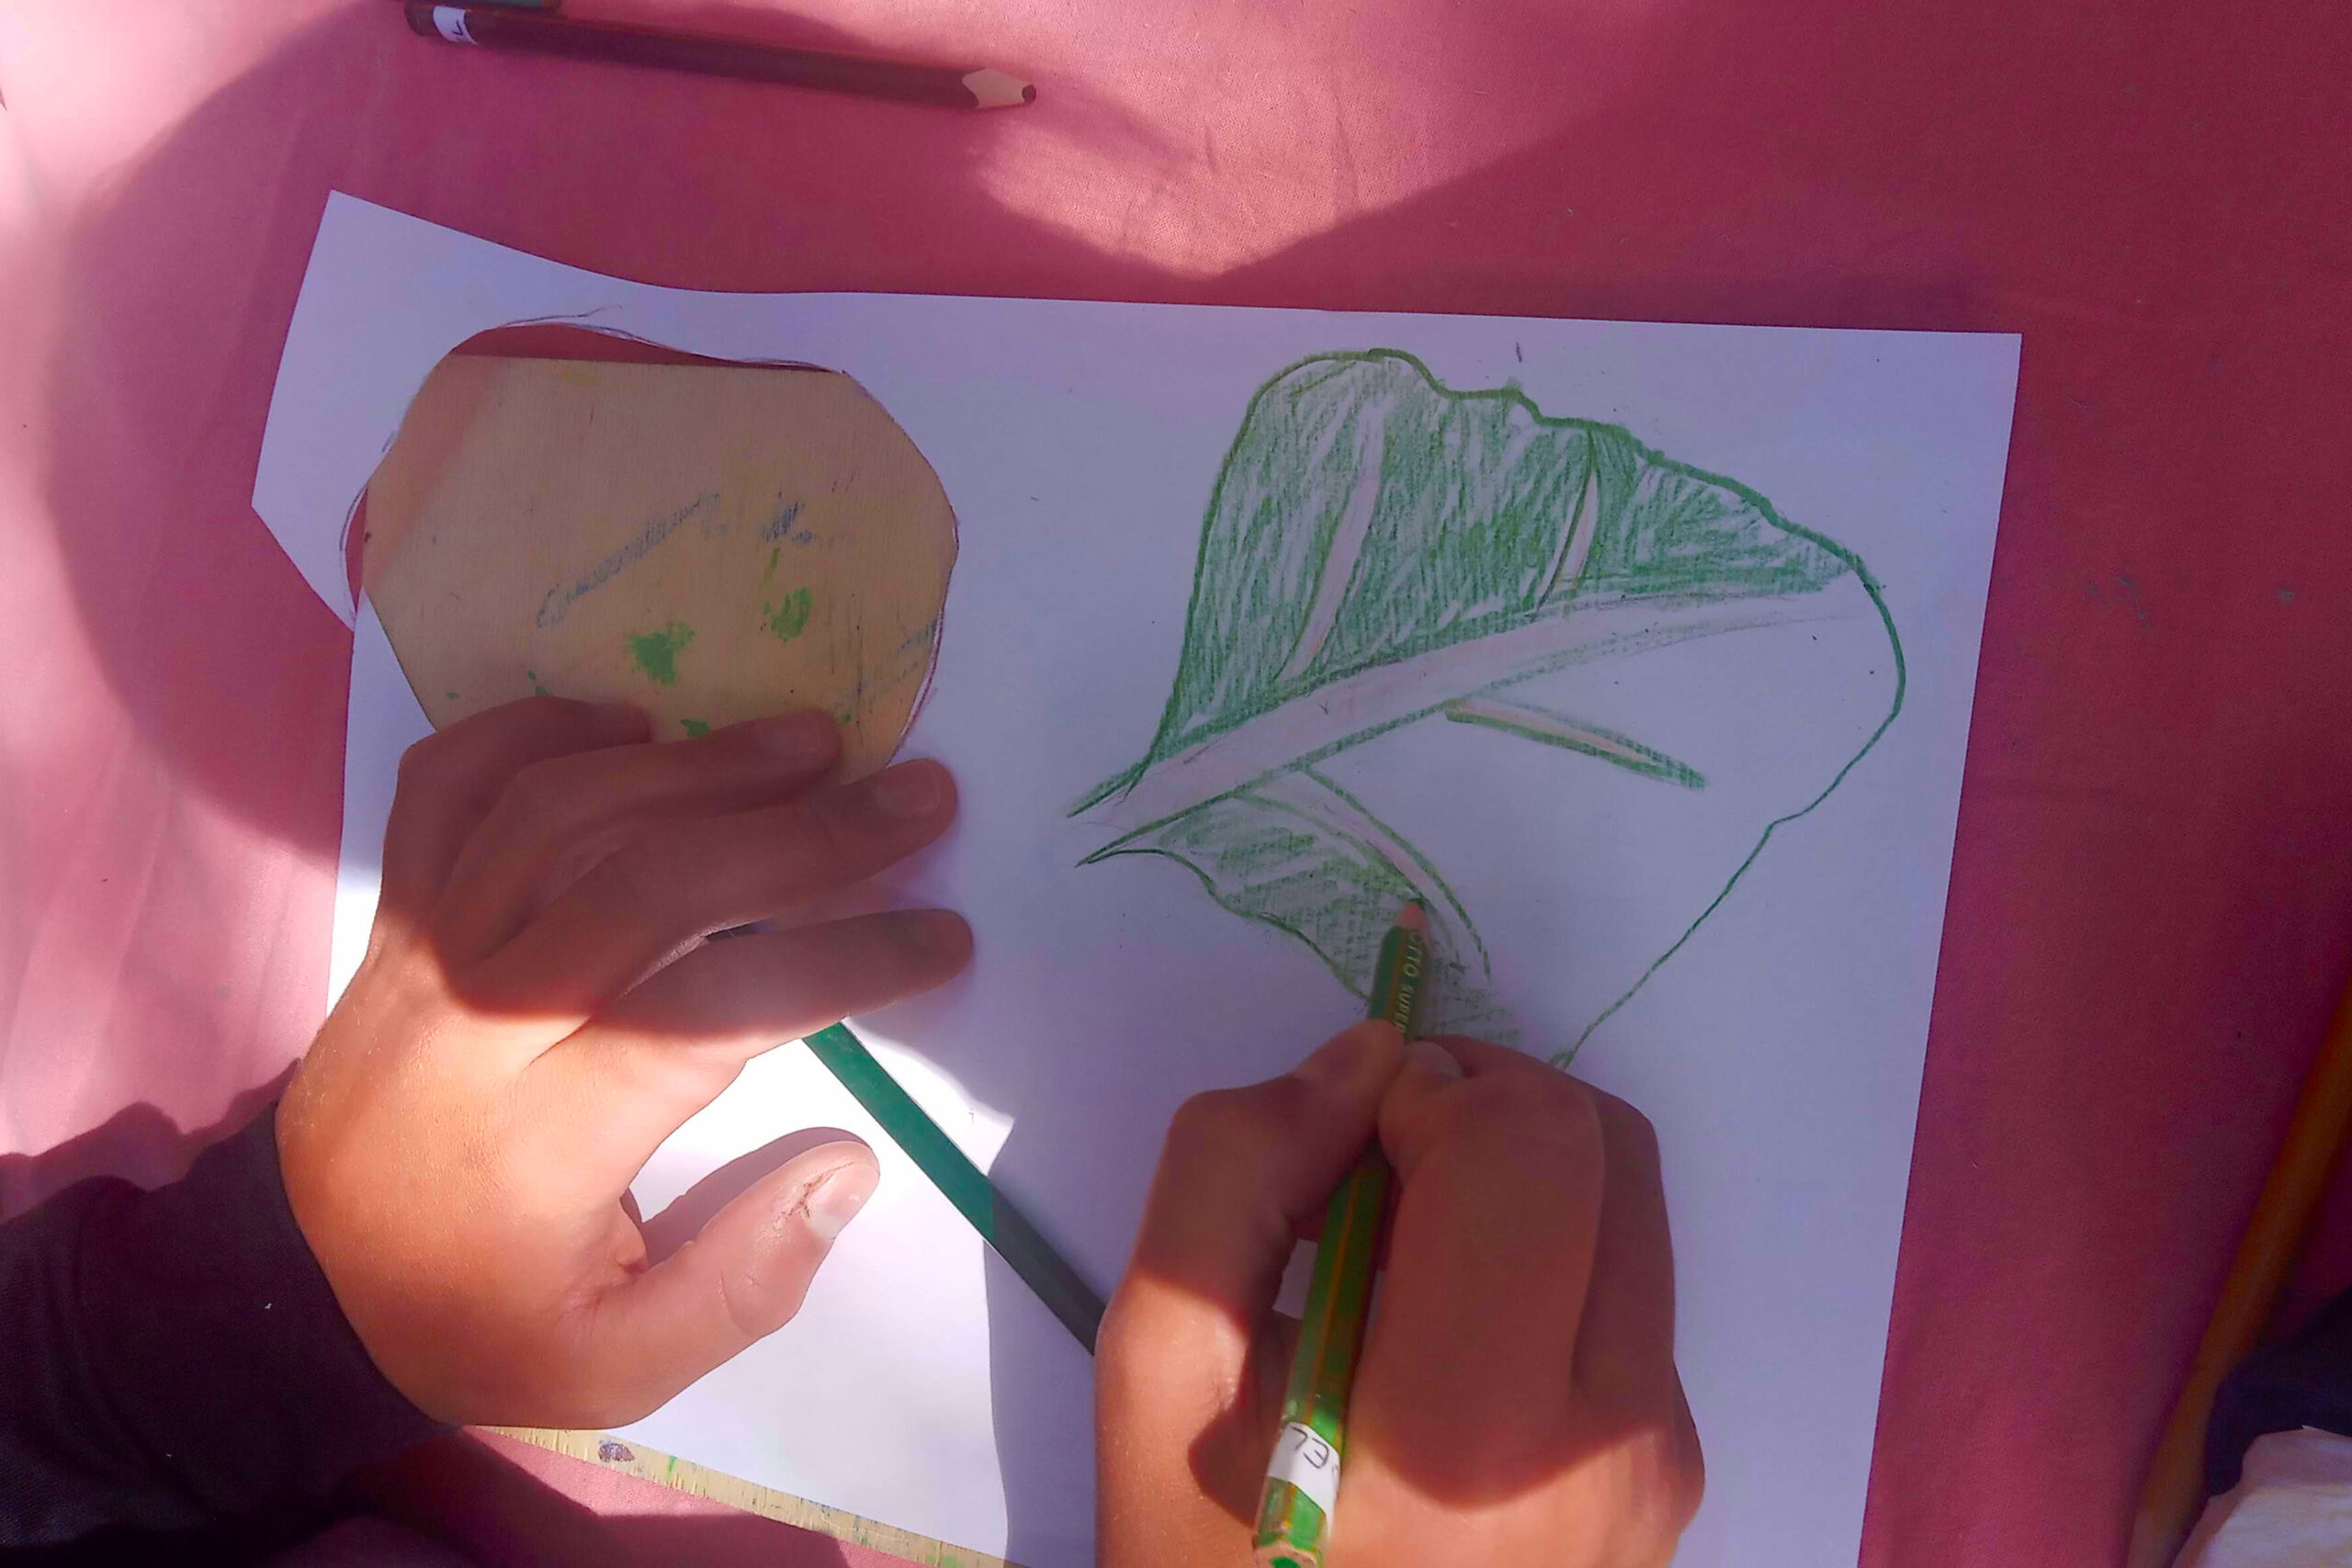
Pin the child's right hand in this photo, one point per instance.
(1517, 1402)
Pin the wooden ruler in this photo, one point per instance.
(646, 1464)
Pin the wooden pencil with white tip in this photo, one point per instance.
(537, 31)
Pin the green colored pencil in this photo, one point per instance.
(1001, 1225)
(1303, 1481)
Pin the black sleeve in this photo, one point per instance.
(2306, 1382)
(175, 1359)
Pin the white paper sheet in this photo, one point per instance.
(1779, 1050)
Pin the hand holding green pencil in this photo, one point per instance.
(1295, 1508)
(1517, 1401)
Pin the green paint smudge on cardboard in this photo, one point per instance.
(788, 619)
(539, 687)
(696, 728)
(774, 555)
(656, 653)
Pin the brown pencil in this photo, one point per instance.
(537, 32)
(2274, 1238)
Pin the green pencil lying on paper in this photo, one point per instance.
(964, 1184)
(1303, 1481)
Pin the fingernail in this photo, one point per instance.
(928, 931)
(1432, 1057)
(911, 789)
(795, 737)
(838, 1195)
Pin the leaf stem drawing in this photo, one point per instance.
(1381, 548)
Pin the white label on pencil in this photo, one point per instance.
(451, 20)
(1307, 1462)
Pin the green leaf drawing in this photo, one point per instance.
(1381, 548)
(1298, 852)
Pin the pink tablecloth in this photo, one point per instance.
(2152, 906)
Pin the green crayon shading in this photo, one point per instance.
(656, 653)
(788, 619)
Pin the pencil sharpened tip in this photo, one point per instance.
(994, 89)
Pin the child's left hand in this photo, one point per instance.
(538, 1010)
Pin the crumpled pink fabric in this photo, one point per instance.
(2151, 902)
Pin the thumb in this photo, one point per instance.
(740, 1277)
(1245, 1169)
(1189, 1369)
(1423, 1106)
